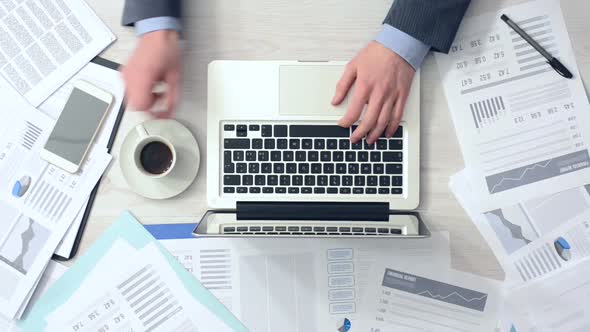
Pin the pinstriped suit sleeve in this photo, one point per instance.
(137, 10)
(434, 22)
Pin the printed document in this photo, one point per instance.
(45, 42)
(127, 281)
(133, 290)
(523, 128)
(523, 235)
(439, 300)
(36, 220)
(299, 285)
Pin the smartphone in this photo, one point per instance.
(77, 126)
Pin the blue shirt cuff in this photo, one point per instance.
(409, 48)
(157, 23)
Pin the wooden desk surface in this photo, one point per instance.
(288, 30)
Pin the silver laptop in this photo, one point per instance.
(278, 165)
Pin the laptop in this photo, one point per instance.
(278, 165)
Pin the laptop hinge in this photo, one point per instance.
(333, 211)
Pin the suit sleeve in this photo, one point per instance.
(434, 22)
(137, 10)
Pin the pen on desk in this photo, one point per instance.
(556, 64)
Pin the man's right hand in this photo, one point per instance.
(156, 59)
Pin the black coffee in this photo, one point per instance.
(156, 158)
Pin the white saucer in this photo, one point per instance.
(184, 171)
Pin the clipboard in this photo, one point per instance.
(88, 209)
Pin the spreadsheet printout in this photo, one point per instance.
(523, 128)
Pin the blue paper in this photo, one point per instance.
(171, 231)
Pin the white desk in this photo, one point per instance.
(287, 30)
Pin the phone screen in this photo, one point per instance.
(76, 125)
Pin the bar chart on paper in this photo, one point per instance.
(487, 111)
(520, 124)
(30, 135)
(54, 191)
(48, 197)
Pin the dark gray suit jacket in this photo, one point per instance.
(137, 10)
(434, 22)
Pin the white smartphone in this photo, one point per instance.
(77, 126)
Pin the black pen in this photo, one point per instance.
(558, 66)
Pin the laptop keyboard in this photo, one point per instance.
(308, 159)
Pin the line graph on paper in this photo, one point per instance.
(537, 171)
(433, 289)
(512, 226)
(461, 297)
(24, 242)
(453, 294)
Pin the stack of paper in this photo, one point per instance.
(520, 126)
(308, 284)
(523, 133)
(328, 284)
(36, 222)
(43, 44)
(127, 282)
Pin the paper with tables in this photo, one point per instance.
(108, 79)
(298, 284)
(36, 218)
(523, 235)
(442, 299)
(44, 43)
(127, 281)
(523, 128)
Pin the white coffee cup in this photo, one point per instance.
(154, 155)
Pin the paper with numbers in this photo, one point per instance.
(139, 293)
(522, 127)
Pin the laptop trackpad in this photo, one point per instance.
(308, 90)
